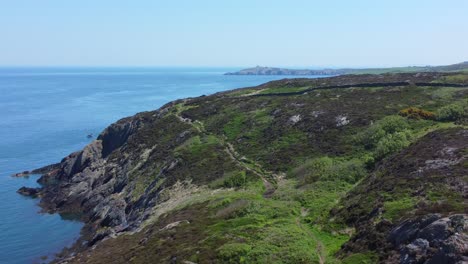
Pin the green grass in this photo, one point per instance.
(293, 137)
(198, 145)
(288, 228)
(278, 90)
(234, 127)
(361, 258)
(457, 78)
(394, 210)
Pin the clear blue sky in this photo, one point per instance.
(233, 33)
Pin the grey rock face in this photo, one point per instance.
(87, 182)
(431, 239)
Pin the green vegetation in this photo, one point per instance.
(234, 252)
(272, 230)
(237, 179)
(391, 143)
(416, 113)
(395, 209)
(456, 78)
(278, 90)
(361, 258)
(234, 127)
(453, 112)
(386, 136)
(328, 169)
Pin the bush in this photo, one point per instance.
(234, 252)
(327, 169)
(311, 170)
(382, 128)
(451, 112)
(417, 113)
(386, 136)
(236, 180)
(392, 143)
(351, 171)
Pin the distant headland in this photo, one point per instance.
(259, 70)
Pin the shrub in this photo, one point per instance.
(416, 113)
(235, 180)
(311, 170)
(235, 209)
(451, 112)
(369, 161)
(351, 171)
(386, 136)
(381, 128)
(234, 252)
(392, 143)
(327, 169)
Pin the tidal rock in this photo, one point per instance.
(22, 174)
(26, 191)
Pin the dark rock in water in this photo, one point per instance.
(26, 191)
(43, 170)
(22, 174)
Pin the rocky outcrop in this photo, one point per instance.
(85, 181)
(43, 170)
(432, 239)
(32, 192)
(116, 135)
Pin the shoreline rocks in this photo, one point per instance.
(27, 191)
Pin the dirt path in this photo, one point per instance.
(319, 248)
(255, 169)
(269, 187)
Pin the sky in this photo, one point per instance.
(293, 33)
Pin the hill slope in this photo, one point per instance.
(292, 171)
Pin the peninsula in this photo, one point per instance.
(282, 71)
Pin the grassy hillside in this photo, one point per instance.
(293, 171)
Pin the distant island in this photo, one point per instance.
(259, 70)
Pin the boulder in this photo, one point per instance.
(431, 239)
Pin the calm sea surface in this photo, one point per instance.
(46, 113)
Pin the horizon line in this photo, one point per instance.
(219, 66)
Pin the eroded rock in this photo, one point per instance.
(431, 239)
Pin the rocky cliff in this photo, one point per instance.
(329, 170)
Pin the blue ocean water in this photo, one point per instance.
(47, 113)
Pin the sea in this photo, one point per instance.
(47, 113)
